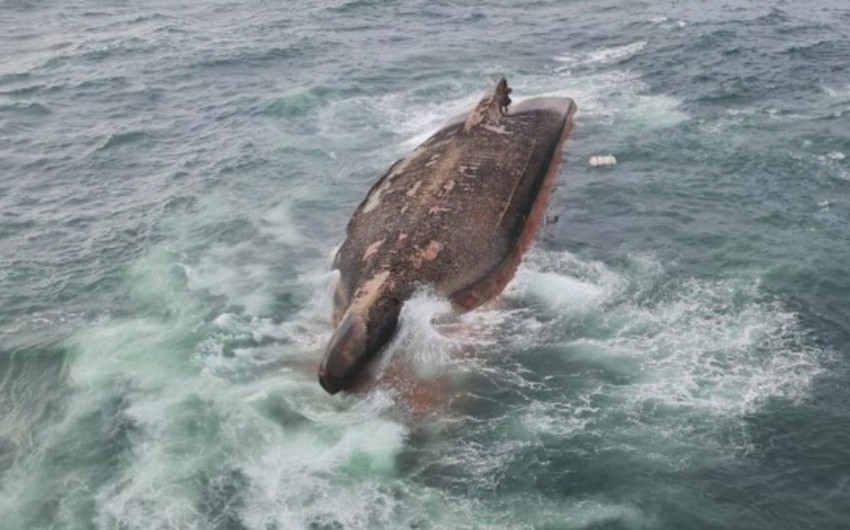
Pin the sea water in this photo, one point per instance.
(175, 176)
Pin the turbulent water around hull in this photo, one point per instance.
(671, 354)
(190, 436)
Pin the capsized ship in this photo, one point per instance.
(455, 215)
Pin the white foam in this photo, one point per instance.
(279, 223)
(707, 352)
(405, 113)
(655, 112)
(418, 331)
(697, 352)
(838, 93)
(614, 98)
(562, 419)
(189, 421)
(610, 97)
(364, 451)
(834, 161)
(667, 22)
(564, 266)
(224, 271)
(418, 122)
(563, 292)
(604, 55)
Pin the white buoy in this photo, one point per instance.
(603, 161)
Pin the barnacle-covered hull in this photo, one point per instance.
(456, 214)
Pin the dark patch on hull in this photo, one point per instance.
(456, 214)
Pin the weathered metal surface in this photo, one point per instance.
(456, 214)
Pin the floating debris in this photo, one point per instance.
(603, 161)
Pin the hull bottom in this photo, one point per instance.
(494, 283)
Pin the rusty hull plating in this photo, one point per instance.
(456, 214)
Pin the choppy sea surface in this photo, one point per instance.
(175, 176)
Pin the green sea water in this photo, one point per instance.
(174, 179)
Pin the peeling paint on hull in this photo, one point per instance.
(456, 215)
(494, 283)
